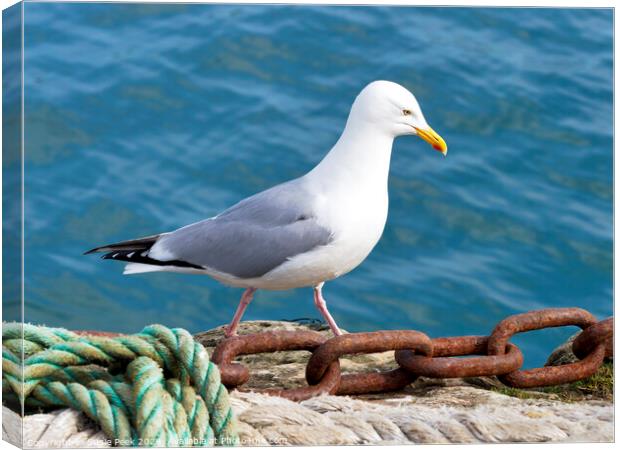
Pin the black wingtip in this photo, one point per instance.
(132, 245)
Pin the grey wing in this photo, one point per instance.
(251, 238)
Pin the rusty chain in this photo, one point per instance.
(537, 320)
(440, 363)
(373, 342)
(418, 355)
(234, 374)
(602, 332)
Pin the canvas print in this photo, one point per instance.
(296, 225)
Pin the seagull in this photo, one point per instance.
(305, 231)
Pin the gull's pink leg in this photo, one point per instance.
(319, 302)
(246, 298)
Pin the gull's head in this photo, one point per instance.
(394, 110)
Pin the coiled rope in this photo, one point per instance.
(154, 388)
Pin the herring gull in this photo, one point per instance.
(303, 232)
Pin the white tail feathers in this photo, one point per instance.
(133, 268)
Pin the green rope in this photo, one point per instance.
(170, 393)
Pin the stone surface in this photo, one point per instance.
(64, 428)
(458, 414)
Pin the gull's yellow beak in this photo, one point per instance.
(436, 141)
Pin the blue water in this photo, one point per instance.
(144, 118)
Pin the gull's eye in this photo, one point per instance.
(407, 112)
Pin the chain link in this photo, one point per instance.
(601, 332)
(441, 365)
(366, 343)
(537, 320)
(234, 374)
(418, 355)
